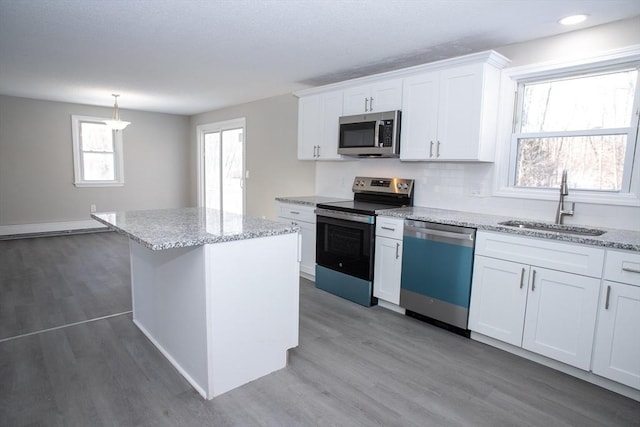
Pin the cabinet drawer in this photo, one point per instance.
(568, 257)
(623, 267)
(389, 227)
(297, 212)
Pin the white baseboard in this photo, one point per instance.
(616, 387)
(49, 227)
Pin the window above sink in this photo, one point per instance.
(580, 116)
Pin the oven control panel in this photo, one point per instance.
(382, 185)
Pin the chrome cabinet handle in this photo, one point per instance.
(438, 149)
(533, 281)
(294, 212)
(388, 228)
(371, 104)
(315, 147)
(397, 250)
(318, 151)
(630, 270)
(366, 108)
(431, 149)
(606, 301)
(522, 278)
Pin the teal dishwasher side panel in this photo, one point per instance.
(437, 269)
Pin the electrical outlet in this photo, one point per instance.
(93, 208)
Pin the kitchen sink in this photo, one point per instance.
(555, 228)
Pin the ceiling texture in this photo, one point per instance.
(191, 56)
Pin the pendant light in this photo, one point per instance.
(116, 124)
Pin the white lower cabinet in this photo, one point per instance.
(518, 300)
(388, 259)
(616, 353)
(560, 318)
(498, 299)
(304, 217)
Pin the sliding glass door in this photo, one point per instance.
(221, 165)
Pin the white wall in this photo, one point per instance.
(469, 186)
(36, 163)
(271, 152)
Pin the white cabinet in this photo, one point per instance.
(304, 217)
(616, 354)
(521, 296)
(318, 126)
(376, 97)
(560, 318)
(451, 114)
(498, 299)
(388, 259)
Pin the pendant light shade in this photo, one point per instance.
(116, 123)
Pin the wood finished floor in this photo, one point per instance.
(354, 366)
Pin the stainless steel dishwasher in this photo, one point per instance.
(437, 264)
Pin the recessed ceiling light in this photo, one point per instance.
(573, 19)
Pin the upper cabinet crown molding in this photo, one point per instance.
(490, 57)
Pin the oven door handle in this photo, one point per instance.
(348, 216)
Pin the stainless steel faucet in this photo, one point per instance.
(564, 191)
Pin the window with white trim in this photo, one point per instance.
(97, 153)
(585, 123)
(581, 115)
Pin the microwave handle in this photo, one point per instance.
(376, 136)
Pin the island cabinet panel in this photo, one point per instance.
(253, 309)
(170, 306)
(223, 314)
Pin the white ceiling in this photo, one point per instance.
(192, 56)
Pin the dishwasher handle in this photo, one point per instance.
(459, 236)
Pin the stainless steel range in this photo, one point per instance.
(345, 236)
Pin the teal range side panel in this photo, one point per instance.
(343, 285)
(438, 270)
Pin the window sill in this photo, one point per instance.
(99, 184)
(613, 199)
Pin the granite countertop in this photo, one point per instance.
(309, 200)
(612, 238)
(179, 228)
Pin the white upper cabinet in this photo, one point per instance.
(451, 113)
(449, 109)
(318, 126)
(376, 97)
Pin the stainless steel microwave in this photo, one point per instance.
(370, 135)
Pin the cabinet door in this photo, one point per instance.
(318, 126)
(308, 263)
(459, 113)
(419, 117)
(498, 299)
(376, 97)
(561, 316)
(386, 96)
(356, 100)
(309, 126)
(387, 269)
(616, 353)
(331, 106)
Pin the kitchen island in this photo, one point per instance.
(217, 293)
